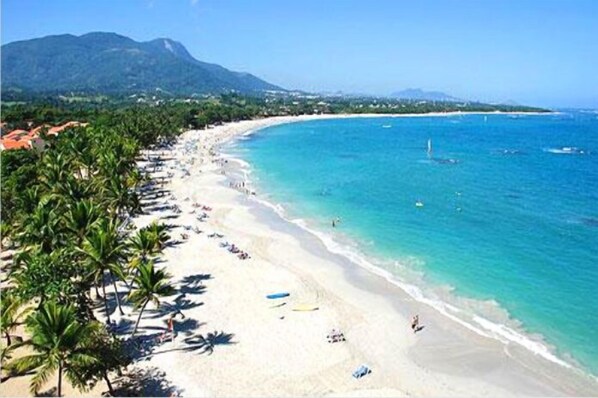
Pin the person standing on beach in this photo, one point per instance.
(415, 323)
(171, 327)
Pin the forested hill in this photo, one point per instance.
(111, 63)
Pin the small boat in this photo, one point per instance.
(305, 307)
(567, 150)
(274, 296)
(386, 126)
(419, 203)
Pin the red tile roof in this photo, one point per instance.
(16, 134)
(15, 144)
(21, 138)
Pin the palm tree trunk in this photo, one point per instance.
(105, 298)
(116, 293)
(60, 379)
(108, 383)
(97, 291)
(139, 318)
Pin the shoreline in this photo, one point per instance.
(350, 294)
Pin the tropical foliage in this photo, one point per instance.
(60, 343)
(66, 211)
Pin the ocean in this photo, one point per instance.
(496, 226)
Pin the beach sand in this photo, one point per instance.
(261, 347)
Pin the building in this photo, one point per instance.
(23, 139)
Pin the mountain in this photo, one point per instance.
(419, 94)
(111, 63)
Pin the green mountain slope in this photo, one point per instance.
(107, 62)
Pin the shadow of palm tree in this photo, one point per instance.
(172, 309)
(214, 339)
(199, 342)
(145, 382)
(188, 326)
(193, 284)
(123, 326)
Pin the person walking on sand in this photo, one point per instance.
(415, 323)
(170, 329)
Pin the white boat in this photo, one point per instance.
(429, 147)
(419, 203)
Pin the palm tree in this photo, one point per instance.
(55, 168)
(11, 314)
(143, 244)
(59, 342)
(151, 284)
(160, 236)
(29, 199)
(118, 195)
(81, 218)
(105, 251)
(42, 228)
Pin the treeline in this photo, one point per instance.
(201, 112)
(65, 215)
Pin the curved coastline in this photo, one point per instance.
(478, 324)
(286, 352)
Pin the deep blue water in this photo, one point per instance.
(510, 222)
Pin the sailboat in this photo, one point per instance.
(429, 147)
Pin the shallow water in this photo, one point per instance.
(508, 230)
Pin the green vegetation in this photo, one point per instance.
(109, 63)
(63, 212)
(61, 344)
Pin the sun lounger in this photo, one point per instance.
(361, 371)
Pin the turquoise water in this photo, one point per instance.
(511, 220)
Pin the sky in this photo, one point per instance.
(542, 52)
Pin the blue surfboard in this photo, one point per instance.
(277, 295)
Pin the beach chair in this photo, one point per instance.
(361, 371)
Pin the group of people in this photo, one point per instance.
(236, 185)
(202, 207)
(232, 248)
(240, 186)
(335, 336)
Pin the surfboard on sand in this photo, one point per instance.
(277, 295)
(305, 307)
